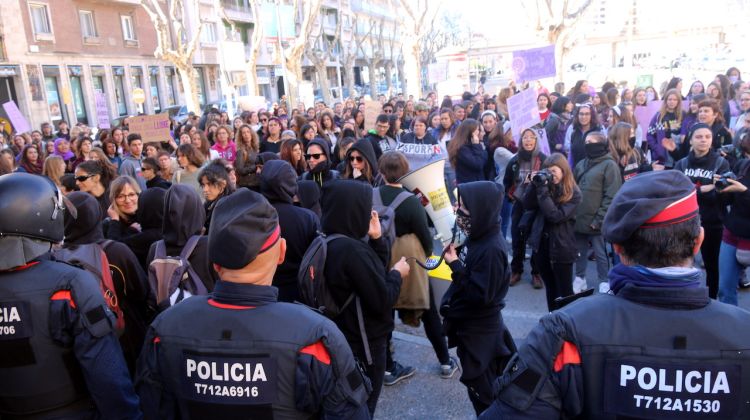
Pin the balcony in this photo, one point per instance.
(238, 10)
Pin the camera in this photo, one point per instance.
(722, 182)
(542, 177)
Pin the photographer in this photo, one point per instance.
(516, 181)
(554, 197)
(703, 166)
(735, 241)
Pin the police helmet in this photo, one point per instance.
(31, 206)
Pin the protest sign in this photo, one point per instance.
(644, 114)
(152, 128)
(418, 155)
(534, 64)
(102, 112)
(251, 103)
(523, 111)
(372, 110)
(437, 72)
(19, 122)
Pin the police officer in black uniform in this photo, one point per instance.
(59, 357)
(240, 354)
(656, 346)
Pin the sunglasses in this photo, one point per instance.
(146, 168)
(315, 156)
(359, 159)
(83, 178)
(263, 120)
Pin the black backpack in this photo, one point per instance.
(387, 214)
(313, 288)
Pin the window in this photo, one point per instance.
(208, 35)
(128, 33)
(40, 19)
(88, 28)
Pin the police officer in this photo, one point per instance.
(656, 346)
(238, 353)
(59, 357)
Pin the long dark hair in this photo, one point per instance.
(287, 147)
(105, 170)
(593, 125)
(461, 138)
(568, 182)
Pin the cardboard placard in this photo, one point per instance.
(152, 128)
(372, 110)
(19, 122)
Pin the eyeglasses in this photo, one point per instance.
(315, 156)
(387, 111)
(123, 197)
(359, 159)
(83, 178)
(146, 168)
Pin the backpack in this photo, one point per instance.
(92, 258)
(173, 279)
(387, 214)
(313, 288)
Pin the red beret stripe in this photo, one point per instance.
(271, 239)
(681, 210)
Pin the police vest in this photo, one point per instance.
(650, 362)
(39, 374)
(227, 362)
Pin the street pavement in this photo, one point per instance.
(427, 396)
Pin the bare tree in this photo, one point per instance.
(173, 44)
(255, 41)
(558, 20)
(375, 57)
(349, 53)
(320, 52)
(415, 27)
(306, 12)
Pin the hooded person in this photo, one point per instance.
(131, 285)
(318, 157)
(299, 226)
(357, 267)
(471, 306)
(362, 163)
(149, 216)
(308, 196)
(184, 216)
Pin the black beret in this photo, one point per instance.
(651, 199)
(243, 225)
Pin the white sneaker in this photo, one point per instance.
(604, 287)
(579, 285)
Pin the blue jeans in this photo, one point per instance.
(505, 213)
(729, 273)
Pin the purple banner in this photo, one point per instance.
(102, 111)
(643, 115)
(19, 122)
(534, 64)
(523, 111)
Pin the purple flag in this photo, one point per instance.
(19, 122)
(534, 64)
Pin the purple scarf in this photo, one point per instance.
(67, 155)
(622, 275)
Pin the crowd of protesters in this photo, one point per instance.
(551, 197)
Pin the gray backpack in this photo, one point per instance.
(173, 279)
(387, 214)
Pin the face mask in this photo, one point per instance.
(733, 79)
(595, 150)
(649, 96)
(632, 141)
(463, 221)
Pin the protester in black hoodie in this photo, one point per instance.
(361, 164)
(299, 226)
(184, 216)
(318, 157)
(702, 166)
(359, 267)
(471, 306)
(131, 286)
(308, 196)
(215, 182)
